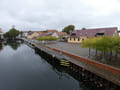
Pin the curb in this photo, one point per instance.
(106, 67)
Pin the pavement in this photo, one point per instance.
(78, 50)
(115, 78)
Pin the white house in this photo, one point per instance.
(55, 35)
(59, 34)
(25, 33)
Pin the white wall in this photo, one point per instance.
(55, 35)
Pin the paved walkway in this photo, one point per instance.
(73, 48)
(115, 78)
(78, 50)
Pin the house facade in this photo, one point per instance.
(46, 33)
(78, 36)
(62, 34)
(58, 34)
(1, 34)
(24, 33)
(35, 35)
(51, 31)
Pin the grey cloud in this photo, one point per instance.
(52, 14)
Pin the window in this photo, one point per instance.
(78, 39)
(74, 39)
(99, 34)
(73, 34)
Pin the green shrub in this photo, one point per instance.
(105, 44)
(47, 38)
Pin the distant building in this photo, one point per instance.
(62, 34)
(1, 34)
(57, 34)
(26, 33)
(51, 31)
(1, 31)
(47, 33)
(78, 36)
(36, 34)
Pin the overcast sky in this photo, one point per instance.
(56, 14)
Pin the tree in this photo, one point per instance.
(104, 44)
(88, 43)
(21, 34)
(1, 47)
(12, 33)
(83, 28)
(116, 44)
(68, 29)
(14, 45)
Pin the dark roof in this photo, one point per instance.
(92, 32)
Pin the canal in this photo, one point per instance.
(21, 68)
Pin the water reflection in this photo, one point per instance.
(1, 46)
(13, 44)
(22, 69)
(84, 82)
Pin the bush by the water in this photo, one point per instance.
(47, 38)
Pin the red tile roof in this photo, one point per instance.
(92, 32)
(61, 33)
(51, 30)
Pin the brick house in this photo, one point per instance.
(47, 33)
(51, 31)
(36, 34)
(78, 36)
(1, 34)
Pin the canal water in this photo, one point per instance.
(23, 69)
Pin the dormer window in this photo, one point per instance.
(73, 34)
(99, 34)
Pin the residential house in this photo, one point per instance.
(1, 34)
(26, 33)
(35, 35)
(57, 34)
(77, 36)
(61, 34)
(51, 31)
